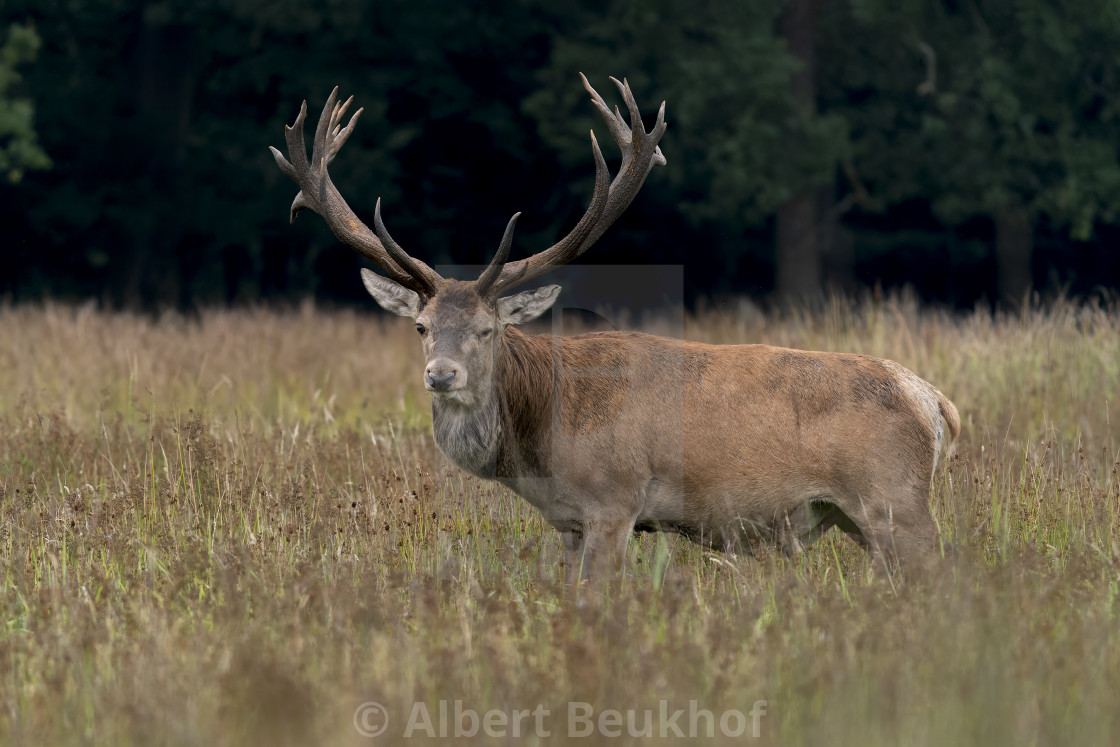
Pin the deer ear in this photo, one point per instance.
(390, 295)
(527, 305)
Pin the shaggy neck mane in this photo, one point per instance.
(507, 435)
(524, 381)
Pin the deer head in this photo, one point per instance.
(461, 322)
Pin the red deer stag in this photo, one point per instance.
(612, 432)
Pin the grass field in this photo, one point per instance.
(236, 529)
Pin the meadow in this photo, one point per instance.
(235, 528)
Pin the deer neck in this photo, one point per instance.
(506, 435)
(468, 435)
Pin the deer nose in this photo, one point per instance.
(441, 382)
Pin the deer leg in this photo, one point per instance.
(894, 533)
(806, 524)
(599, 547)
(607, 541)
(576, 568)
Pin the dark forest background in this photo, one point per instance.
(967, 148)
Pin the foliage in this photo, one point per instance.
(163, 194)
(739, 144)
(19, 147)
(987, 107)
(195, 211)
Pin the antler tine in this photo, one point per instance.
(340, 134)
(494, 269)
(615, 123)
(343, 135)
(318, 192)
(322, 131)
(567, 248)
(623, 87)
(640, 153)
(636, 117)
(407, 263)
(297, 151)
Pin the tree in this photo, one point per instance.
(743, 140)
(165, 194)
(1001, 108)
(19, 147)
(162, 192)
(797, 251)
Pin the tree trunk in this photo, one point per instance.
(836, 243)
(1014, 247)
(164, 75)
(797, 261)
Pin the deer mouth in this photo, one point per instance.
(460, 396)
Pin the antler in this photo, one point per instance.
(639, 155)
(319, 193)
(494, 269)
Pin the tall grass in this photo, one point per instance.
(236, 529)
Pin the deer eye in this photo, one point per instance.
(485, 334)
(421, 328)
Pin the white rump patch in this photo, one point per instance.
(923, 394)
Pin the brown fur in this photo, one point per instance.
(610, 432)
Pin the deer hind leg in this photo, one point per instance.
(898, 531)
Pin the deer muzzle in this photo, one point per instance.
(443, 376)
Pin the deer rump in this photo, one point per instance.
(608, 433)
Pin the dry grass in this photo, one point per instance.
(235, 529)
